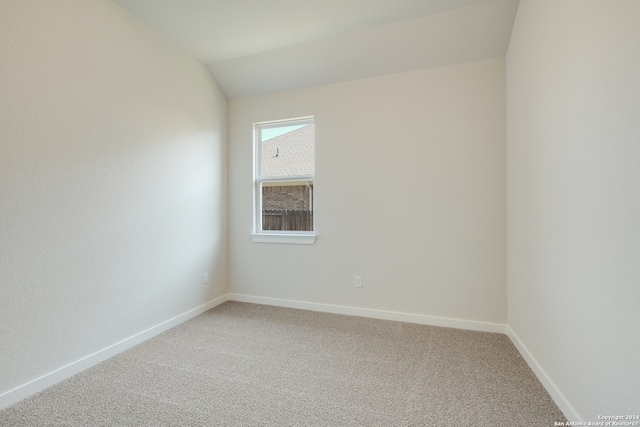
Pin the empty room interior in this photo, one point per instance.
(475, 174)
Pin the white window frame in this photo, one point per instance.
(277, 236)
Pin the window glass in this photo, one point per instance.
(288, 153)
(284, 176)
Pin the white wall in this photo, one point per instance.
(112, 183)
(409, 193)
(573, 144)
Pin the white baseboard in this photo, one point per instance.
(548, 384)
(23, 391)
(546, 381)
(376, 314)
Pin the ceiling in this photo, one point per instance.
(260, 46)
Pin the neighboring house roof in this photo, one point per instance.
(290, 154)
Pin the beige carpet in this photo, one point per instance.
(252, 365)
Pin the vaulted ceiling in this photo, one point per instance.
(260, 46)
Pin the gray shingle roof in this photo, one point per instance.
(290, 154)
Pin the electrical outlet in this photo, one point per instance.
(205, 278)
(358, 281)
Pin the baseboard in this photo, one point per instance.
(546, 381)
(554, 392)
(376, 314)
(23, 391)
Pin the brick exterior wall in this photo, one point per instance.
(292, 197)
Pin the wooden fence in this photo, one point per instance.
(291, 220)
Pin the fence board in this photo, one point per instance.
(290, 220)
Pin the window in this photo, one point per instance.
(283, 184)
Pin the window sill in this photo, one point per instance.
(292, 239)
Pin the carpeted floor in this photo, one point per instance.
(252, 365)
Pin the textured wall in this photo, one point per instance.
(286, 197)
(409, 193)
(573, 144)
(112, 183)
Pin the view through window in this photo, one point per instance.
(284, 176)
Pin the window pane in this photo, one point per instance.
(287, 206)
(287, 151)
